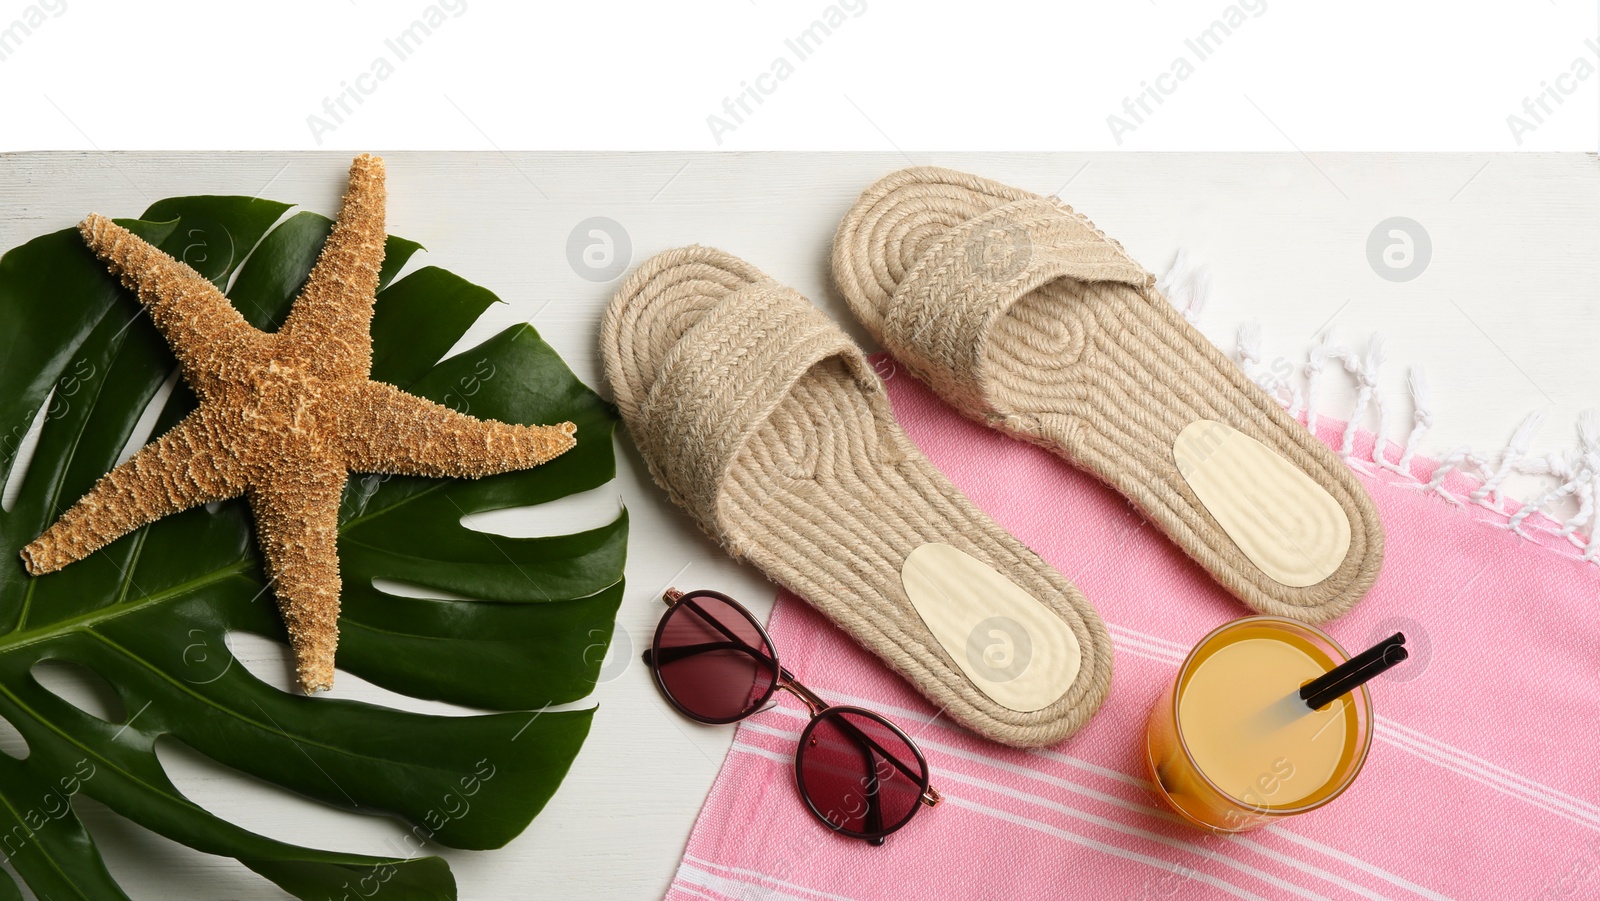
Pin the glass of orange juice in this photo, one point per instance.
(1230, 743)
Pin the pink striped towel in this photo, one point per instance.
(1481, 781)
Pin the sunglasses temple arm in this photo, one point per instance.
(728, 633)
(865, 741)
(874, 821)
(845, 725)
(862, 740)
(662, 656)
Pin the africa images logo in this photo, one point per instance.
(1139, 107)
(1539, 107)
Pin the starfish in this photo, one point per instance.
(284, 417)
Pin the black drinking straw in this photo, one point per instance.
(1344, 678)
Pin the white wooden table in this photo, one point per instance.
(1504, 316)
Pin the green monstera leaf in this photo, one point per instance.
(149, 613)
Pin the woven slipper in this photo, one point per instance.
(761, 418)
(1023, 315)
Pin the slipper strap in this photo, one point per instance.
(722, 380)
(937, 321)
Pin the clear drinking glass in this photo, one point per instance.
(1229, 743)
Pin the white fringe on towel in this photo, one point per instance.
(1575, 473)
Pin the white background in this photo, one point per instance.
(1000, 75)
(1504, 318)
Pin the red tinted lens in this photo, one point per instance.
(712, 659)
(858, 773)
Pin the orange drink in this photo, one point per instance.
(1230, 743)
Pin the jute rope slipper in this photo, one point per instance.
(1023, 315)
(764, 421)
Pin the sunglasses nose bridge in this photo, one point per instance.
(811, 701)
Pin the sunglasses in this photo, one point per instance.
(859, 773)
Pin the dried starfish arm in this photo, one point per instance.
(283, 418)
(385, 429)
(328, 327)
(201, 325)
(296, 514)
(188, 466)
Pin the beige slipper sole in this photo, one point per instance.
(764, 421)
(1023, 315)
